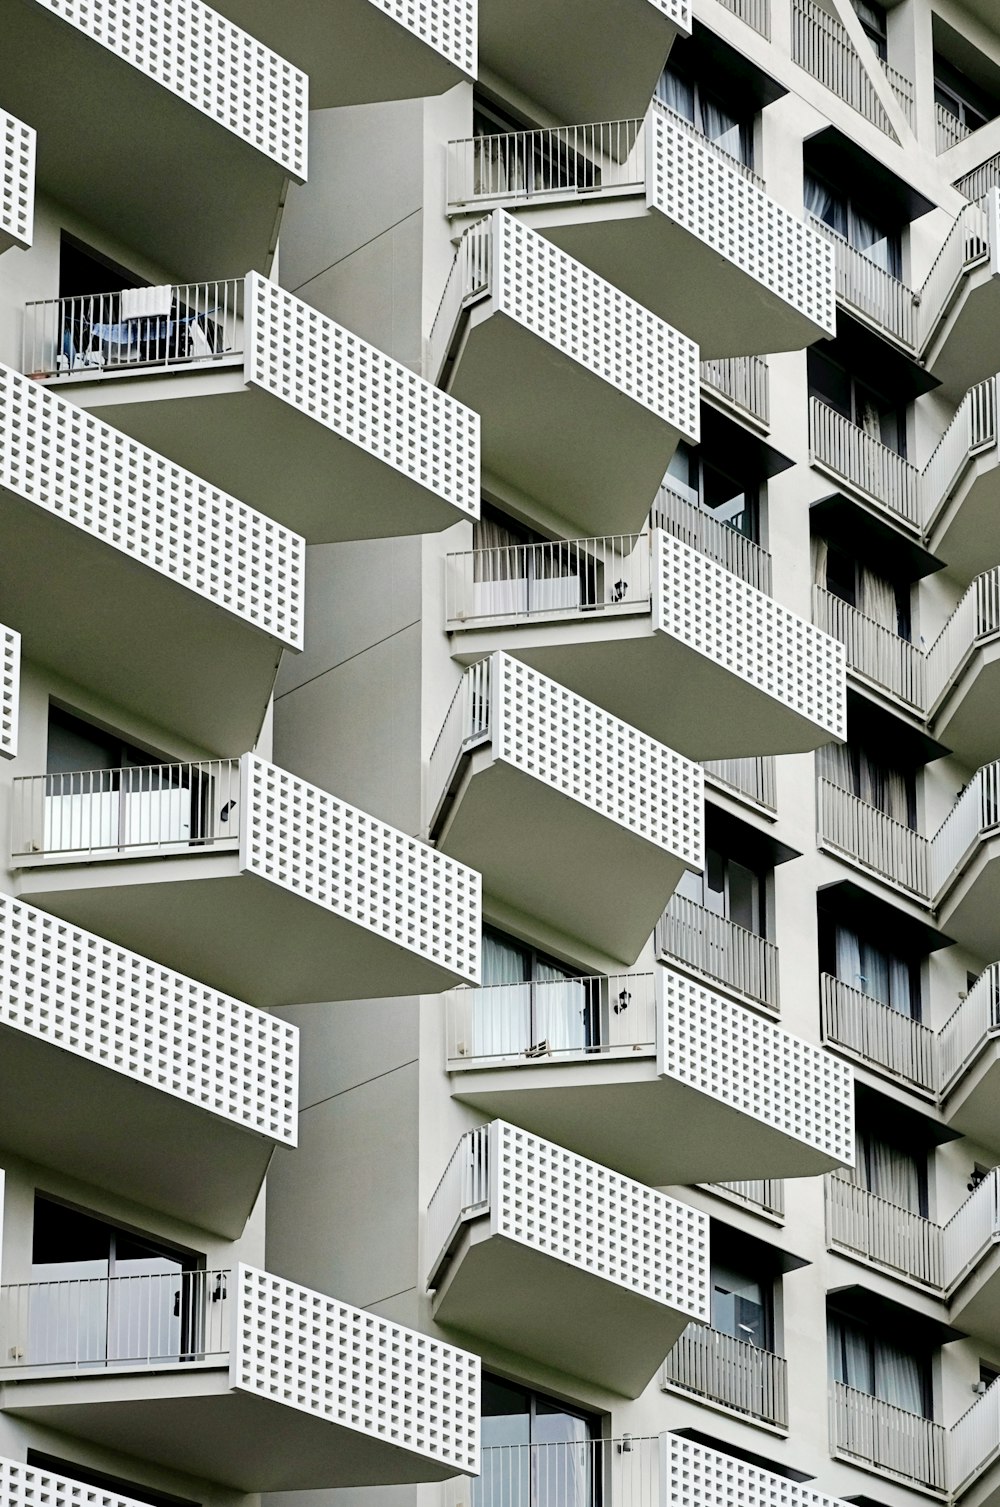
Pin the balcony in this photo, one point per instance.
(10, 691)
(202, 866)
(190, 596)
(751, 781)
(730, 1373)
(584, 393)
(963, 673)
(271, 400)
(961, 483)
(876, 1435)
(870, 293)
(959, 325)
(699, 530)
(586, 61)
(872, 841)
(969, 1058)
(368, 50)
(516, 1215)
(651, 1074)
(872, 474)
(169, 1093)
(555, 799)
(876, 655)
(717, 950)
(611, 617)
(879, 1037)
(240, 1378)
(822, 45)
(741, 383)
(630, 196)
(198, 92)
(948, 129)
(965, 865)
(17, 182)
(762, 1195)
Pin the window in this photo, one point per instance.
(886, 1164)
(839, 572)
(880, 243)
(688, 97)
(881, 417)
(536, 1006)
(560, 1474)
(874, 1363)
(742, 1305)
(111, 1484)
(874, 969)
(517, 571)
(873, 20)
(863, 772)
(988, 1374)
(705, 485)
(513, 158)
(955, 92)
(728, 888)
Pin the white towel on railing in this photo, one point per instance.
(147, 303)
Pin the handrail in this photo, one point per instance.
(591, 159)
(549, 579)
(872, 469)
(462, 1193)
(878, 1035)
(876, 652)
(975, 815)
(866, 1225)
(590, 1018)
(719, 950)
(869, 290)
(696, 527)
(948, 129)
(736, 1373)
(753, 778)
(972, 430)
(822, 46)
(742, 381)
(966, 245)
(865, 1428)
(864, 835)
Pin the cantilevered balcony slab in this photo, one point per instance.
(584, 393)
(313, 426)
(137, 579)
(249, 879)
(555, 800)
(361, 51)
(668, 218)
(208, 110)
(584, 61)
(961, 485)
(965, 866)
(959, 313)
(274, 1387)
(169, 1093)
(969, 1062)
(17, 182)
(651, 1074)
(658, 634)
(525, 1237)
(963, 674)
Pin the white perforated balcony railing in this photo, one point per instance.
(155, 544)
(294, 1388)
(735, 1374)
(10, 690)
(71, 1002)
(696, 527)
(17, 182)
(30, 1485)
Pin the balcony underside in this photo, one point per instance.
(193, 1422)
(972, 1107)
(536, 1305)
(677, 276)
(128, 1136)
(353, 52)
(975, 1307)
(234, 931)
(177, 185)
(968, 721)
(267, 453)
(962, 530)
(970, 912)
(964, 348)
(655, 682)
(621, 1114)
(146, 642)
(547, 856)
(558, 433)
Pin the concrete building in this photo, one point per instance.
(500, 781)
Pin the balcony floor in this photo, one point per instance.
(970, 911)
(969, 518)
(963, 350)
(968, 720)
(193, 1421)
(233, 930)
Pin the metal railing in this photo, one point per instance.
(878, 1035)
(733, 1372)
(966, 245)
(466, 724)
(975, 184)
(622, 1472)
(756, 13)
(553, 579)
(972, 430)
(137, 328)
(879, 474)
(868, 1226)
(974, 1441)
(866, 1428)
(975, 621)
(471, 277)
(599, 158)
(462, 1193)
(902, 88)
(974, 1022)
(822, 46)
(974, 815)
(874, 652)
(141, 809)
(590, 1018)
(99, 1323)
(719, 950)
(971, 1231)
(751, 778)
(948, 129)
(869, 290)
(742, 381)
(764, 1193)
(866, 836)
(697, 528)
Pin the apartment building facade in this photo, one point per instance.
(566, 702)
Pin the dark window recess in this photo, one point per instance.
(729, 127)
(515, 1418)
(863, 771)
(880, 1365)
(874, 21)
(970, 103)
(729, 888)
(871, 965)
(881, 416)
(840, 572)
(86, 272)
(705, 484)
(743, 1304)
(881, 243)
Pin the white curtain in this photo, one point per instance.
(820, 554)
(848, 959)
(885, 1170)
(884, 788)
(676, 93)
(560, 1009)
(898, 1377)
(835, 762)
(821, 202)
(501, 1010)
(877, 598)
(849, 1354)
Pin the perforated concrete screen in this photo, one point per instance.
(28, 1486)
(698, 189)
(10, 690)
(207, 61)
(104, 1003)
(754, 1066)
(694, 1476)
(17, 180)
(307, 1351)
(678, 11)
(449, 26)
(573, 1209)
(701, 603)
(317, 846)
(582, 751)
(61, 458)
(563, 302)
